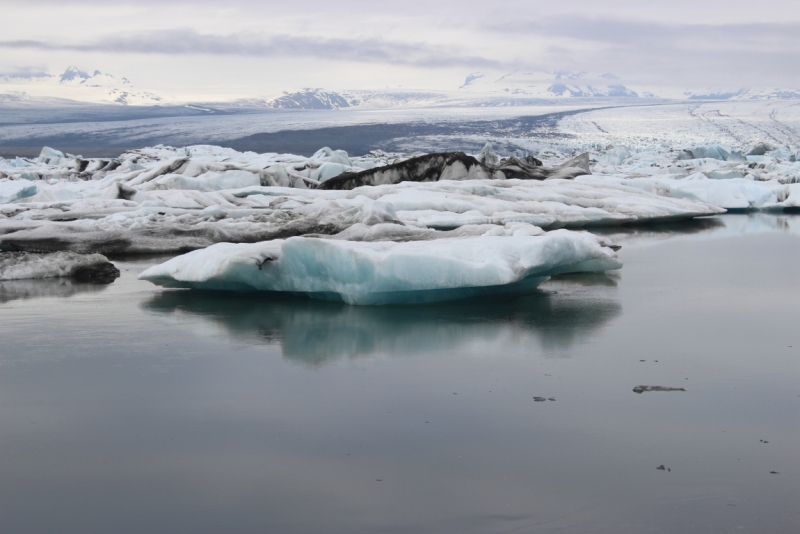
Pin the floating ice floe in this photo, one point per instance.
(388, 272)
(642, 389)
(81, 267)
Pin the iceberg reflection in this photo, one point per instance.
(716, 227)
(315, 332)
(44, 288)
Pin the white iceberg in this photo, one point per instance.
(11, 191)
(387, 272)
(113, 216)
(728, 193)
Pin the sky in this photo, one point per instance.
(234, 48)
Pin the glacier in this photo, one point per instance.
(373, 273)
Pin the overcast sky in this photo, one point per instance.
(247, 47)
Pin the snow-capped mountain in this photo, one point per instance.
(311, 99)
(566, 84)
(479, 89)
(321, 99)
(78, 85)
(542, 84)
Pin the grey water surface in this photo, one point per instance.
(131, 409)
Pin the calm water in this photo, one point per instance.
(130, 409)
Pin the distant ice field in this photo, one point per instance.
(428, 128)
(687, 123)
(224, 128)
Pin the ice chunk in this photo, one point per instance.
(759, 149)
(332, 156)
(11, 191)
(83, 267)
(642, 389)
(711, 151)
(326, 171)
(427, 168)
(488, 156)
(387, 272)
(50, 156)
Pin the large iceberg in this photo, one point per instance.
(388, 272)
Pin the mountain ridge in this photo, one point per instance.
(479, 89)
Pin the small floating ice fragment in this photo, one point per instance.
(641, 389)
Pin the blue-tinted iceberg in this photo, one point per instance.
(388, 272)
(13, 191)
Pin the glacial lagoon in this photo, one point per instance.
(128, 408)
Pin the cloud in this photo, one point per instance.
(188, 42)
(641, 52)
(651, 52)
(626, 33)
(26, 72)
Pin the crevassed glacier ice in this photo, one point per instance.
(388, 272)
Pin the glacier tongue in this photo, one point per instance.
(371, 273)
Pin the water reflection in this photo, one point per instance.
(719, 226)
(47, 287)
(315, 332)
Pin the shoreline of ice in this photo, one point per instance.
(164, 199)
